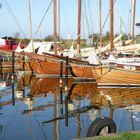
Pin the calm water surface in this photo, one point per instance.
(40, 108)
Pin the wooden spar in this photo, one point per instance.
(130, 21)
(100, 21)
(30, 21)
(79, 27)
(133, 19)
(111, 23)
(58, 21)
(120, 25)
(55, 28)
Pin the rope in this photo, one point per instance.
(92, 25)
(13, 16)
(43, 17)
(86, 17)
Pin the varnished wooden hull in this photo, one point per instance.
(83, 71)
(48, 65)
(25, 66)
(116, 75)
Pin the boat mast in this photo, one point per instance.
(79, 27)
(30, 23)
(55, 28)
(111, 23)
(130, 21)
(133, 19)
(58, 20)
(120, 25)
(100, 21)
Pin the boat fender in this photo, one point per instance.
(98, 124)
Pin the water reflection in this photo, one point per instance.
(41, 108)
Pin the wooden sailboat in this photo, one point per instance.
(24, 60)
(50, 64)
(80, 70)
(111, 74)
(39, 63)
(25, 65)
(117, 72)
(126, 71)
(46, 64)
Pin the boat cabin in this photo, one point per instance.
(48, 47)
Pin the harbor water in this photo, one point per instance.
(34, 108)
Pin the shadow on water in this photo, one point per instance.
(44, 108)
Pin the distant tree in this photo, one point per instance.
(0, 5)
(95, 38)
(49, 38)
(106, 36)
(116, 35)
(26, 41)
(6, 37)
(125, 37)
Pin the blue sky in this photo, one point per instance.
(68, 17)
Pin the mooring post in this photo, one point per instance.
(23, 61)
(61, 71)
(0, 64)
(61, 99)
(13, 92)
(13, 63)
(66, 74)
(61, 79)
(23, 87)
(12, 77)
(66, 90)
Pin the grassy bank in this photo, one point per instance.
(122, 136)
